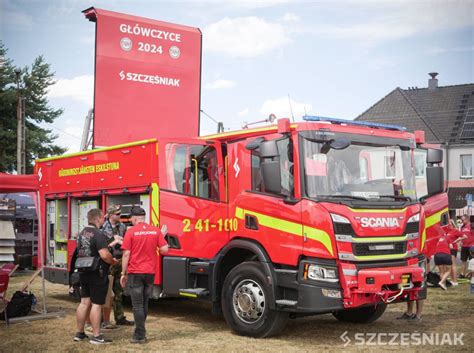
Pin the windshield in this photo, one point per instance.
(364, 169)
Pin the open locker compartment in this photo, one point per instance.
(127, 202)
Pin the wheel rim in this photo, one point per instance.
(248, 301)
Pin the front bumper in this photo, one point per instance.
(389, 284)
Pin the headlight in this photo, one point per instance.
(320, 273)
(339, 219)
(414, 218)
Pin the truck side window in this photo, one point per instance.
(285, 151)
(193, 170)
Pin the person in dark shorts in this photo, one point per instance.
(454, 236)
(139, 266)
(466, 231)
(442, 259)
(91, 242)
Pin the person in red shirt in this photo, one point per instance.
(442, 259)
(466, 230)
(454, 236)
(139, 265)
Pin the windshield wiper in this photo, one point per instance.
(343, 197)
(397, 197)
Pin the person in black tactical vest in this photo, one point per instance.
(93, 261)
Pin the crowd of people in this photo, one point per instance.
(456, 238)
(109, 258)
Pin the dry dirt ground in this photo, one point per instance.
(185, 325)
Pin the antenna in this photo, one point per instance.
(291, 108)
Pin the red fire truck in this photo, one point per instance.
(320, 216)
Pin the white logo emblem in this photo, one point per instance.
(374, 222)
(236, 168)
(175, 52)
(344, 337)
(122, 75)
(40, 175)
(126, 44)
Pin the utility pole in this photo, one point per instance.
(20, 116)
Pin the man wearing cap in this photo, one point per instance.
(114, 230)
(139, 265)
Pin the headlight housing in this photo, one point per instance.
(321, 273)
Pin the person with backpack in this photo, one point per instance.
(93, 261)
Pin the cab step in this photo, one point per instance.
(286, 303)
(194, 292)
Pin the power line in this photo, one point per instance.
(210, 117)
(65, 132)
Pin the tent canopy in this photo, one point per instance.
(18, 183)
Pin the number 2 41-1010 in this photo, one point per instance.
(204, 225)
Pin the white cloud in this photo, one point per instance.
(439, 50)
(243, 113)
(219, 84)
(291, 17)
(245, 37)
(282, 109)
(80, 88)
(16, 19)
(386, 21)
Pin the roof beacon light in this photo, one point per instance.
(352, 122)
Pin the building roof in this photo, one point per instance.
(440, 111)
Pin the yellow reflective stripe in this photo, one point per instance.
(155, 204)
(431, 221)
(381, 257)
(288, 227)
(434, 218)
(378, 239)
(361, 210)
(319, 235)
(188, 295)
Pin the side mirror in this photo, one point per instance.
(435, 180)
(434, 156)
(268, 149)
(271, 174)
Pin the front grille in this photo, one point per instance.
(412, 227)
(370, 248)
(343, 228)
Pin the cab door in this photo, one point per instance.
(435, 209)
(192, 197)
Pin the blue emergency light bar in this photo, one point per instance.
(352, 122)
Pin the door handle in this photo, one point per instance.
(251, 222)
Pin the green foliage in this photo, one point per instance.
(34, 82)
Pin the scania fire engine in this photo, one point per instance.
(292, 219)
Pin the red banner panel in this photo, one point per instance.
(147, 78)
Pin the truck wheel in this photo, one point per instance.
(245, 302)
(363, 315)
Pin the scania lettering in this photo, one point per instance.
(379, 222)
(268, 224)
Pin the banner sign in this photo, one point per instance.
(147, 78)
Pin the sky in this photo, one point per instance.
(325, 58)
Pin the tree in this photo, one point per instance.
(34, 83)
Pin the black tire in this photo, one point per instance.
(270, 322)
(363, 315)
